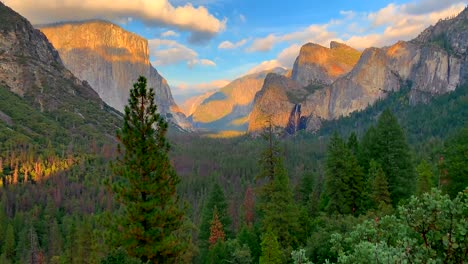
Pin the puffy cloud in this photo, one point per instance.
(386, 26)
(198, 20)
(203, 62)
(265, 65)
(229, 45)
(169, 33)
(287, 56)
(168, 52)
(314, 33)
(263, 44)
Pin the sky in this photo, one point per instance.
(201, 45)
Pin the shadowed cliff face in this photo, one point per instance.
(433, 64)
(111, 59)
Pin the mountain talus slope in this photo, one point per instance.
(110, 59)
(432, 64)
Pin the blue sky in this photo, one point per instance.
(202, 44)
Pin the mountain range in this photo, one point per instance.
(99, 61)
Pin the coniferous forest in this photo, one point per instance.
(353, 196)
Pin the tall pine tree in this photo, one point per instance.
(344, 178)
(278, 211)
(145, 183)
(394, 155)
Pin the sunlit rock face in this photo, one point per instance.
(319, 65)
(111, 59)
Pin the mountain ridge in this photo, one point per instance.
(429, 67)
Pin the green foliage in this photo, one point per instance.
(279, 213)
(146, 183)
(119, 256)
(344, 179)
(271, 253)
(425, 177)
(380, 195)
(248, 236)
(9, 244)
(387, 145)
(429, 229)
(456, 160)
(216, 201)
(299, 257)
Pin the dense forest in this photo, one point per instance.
(385, 185)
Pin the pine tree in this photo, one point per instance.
(249, 206)
(216, 200)
(9, 245)
(146, 183)
(380, 194)
(271, 253)
(216, 230)
(353, 143)
(345, 180)
(394, 156)
(425, 178)
(279, 212)
(456, 160)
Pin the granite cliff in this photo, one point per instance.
(321, 66)
(432, 64)
(110, 59)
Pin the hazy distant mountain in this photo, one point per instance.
(110, 59)
(229, 108)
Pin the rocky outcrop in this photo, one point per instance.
(111, 59)
(296, 120)
(319, 65)
(272, 103)
(434, 63)
(229, 108)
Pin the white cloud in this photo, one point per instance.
(265, 65)
(287, 56)
(264, 44)
(198, 20)
(314, 33)
(229, 45)
(386, 26)
(203, 62)
(168, 52)
(169, 33)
